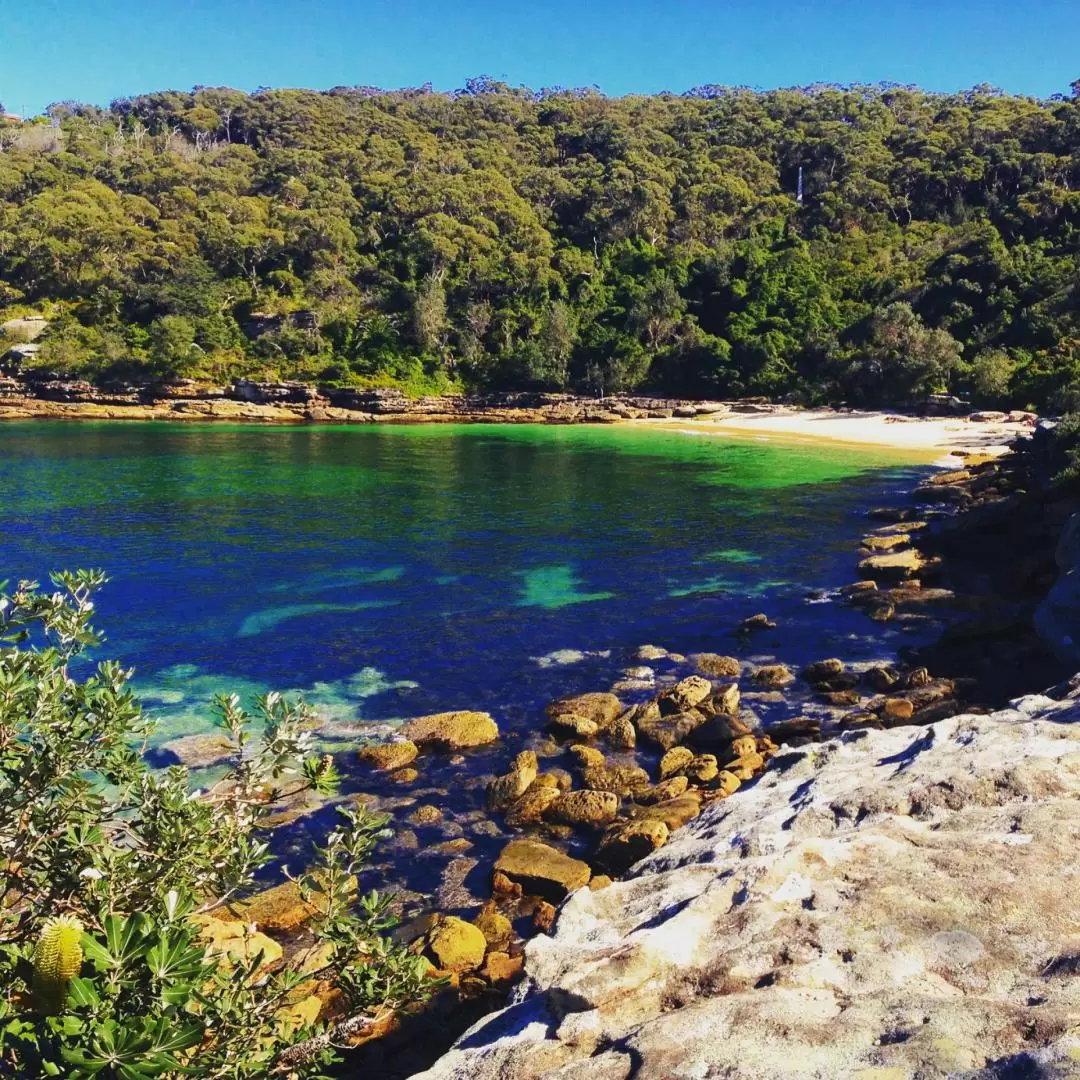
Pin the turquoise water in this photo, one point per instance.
(389, 571)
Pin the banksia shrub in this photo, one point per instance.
(58, 956)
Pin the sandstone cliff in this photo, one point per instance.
(889, 904)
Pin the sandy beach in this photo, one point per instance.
(943, 437)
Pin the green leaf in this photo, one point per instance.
(82, 993)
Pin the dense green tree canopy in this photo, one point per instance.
(497, 237)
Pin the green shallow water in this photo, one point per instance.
(386, 570)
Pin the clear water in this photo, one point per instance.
(387, 572)
(390, 570)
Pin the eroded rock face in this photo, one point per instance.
(892, 903)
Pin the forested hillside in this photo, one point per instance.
(497, 237)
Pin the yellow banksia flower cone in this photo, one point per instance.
(58, 957)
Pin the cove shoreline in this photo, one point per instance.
(985, 433)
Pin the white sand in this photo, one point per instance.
(940, 434)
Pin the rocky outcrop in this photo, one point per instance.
(885, 905)
(1057, 618)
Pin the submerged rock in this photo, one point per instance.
(197, 751)
(823, 670)
(773, 675)
(716, 666)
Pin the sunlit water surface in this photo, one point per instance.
(387, 572)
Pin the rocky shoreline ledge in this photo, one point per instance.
(884, 905)
(44, 395)
(32, 396)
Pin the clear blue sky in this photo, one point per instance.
(95, 50)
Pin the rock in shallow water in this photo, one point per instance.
(542, 870)
(451, 731)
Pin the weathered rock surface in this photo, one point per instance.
(716, 666)
(542, 870)
(894, 566)
(391, 755)
(451, 731)
(886, 905)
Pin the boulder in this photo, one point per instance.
(571, 725)
(601, 709)
(504, 790)
(755, 623)
(628, 842)
(620, 779)
(669, 731)
(541, 870)
(532, 806)
(726, 700)
(674, 813)
(587, 755)
(702, 769)
(857, 590)
(717, 733)
(728, 782)
(455, 945)
(889, 542)
(881, 679)
(716, 666)
(650, 653)
(687, 694)
(502, 969)
(822, 670)
(671, 788)
(282, 908)
(497, 929)
(893, 566)
(897, 710)
(840, 698)
(621, 733)
(773, 675)
(237, 942)
(451, 731)
(674, 761)
(584, 809)
(388, 756)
